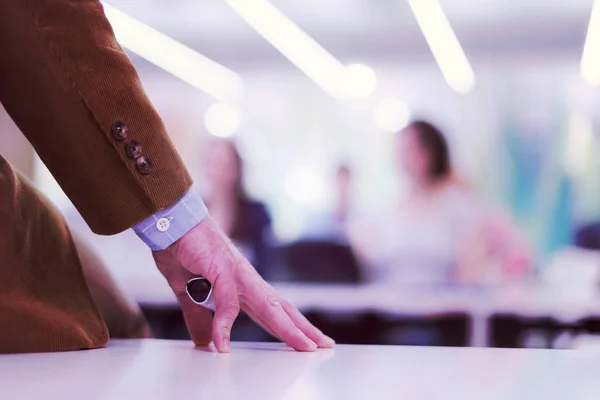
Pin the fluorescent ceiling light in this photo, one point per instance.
(444, 45)
(295, 44)
(359, 81)
(222, 119)
(175, 58)
(590, 62)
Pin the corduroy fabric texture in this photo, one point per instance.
(45, 304)
(65, 80)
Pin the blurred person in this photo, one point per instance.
(442, 232)
(75, 95)
(344, 195)
(588, 236)
(322, 252)
(333, 224)
(246, 221)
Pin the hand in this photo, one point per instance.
(207, 252)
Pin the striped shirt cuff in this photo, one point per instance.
(164, 228)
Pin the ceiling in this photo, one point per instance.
(361, 30)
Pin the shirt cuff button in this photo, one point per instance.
(163, 224)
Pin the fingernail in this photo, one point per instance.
(329, 342)
(313, 345)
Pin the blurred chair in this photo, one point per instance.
(321, 261)
(588, 237)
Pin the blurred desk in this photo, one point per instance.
(340, 298)
(478, 304)
(161, 369)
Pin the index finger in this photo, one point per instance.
(272, 313)
(313, 333)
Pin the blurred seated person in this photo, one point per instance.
(244, 220)
(332, 224)
(588, 236)
(442, 233)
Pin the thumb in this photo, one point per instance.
(228, 308)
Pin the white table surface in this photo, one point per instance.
(156, 369)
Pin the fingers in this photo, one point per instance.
(280, 324)
(228, 308)
(265, 326)
(197, 319)
(311, 331)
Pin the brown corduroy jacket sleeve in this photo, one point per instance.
(65, 82)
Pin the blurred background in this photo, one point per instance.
(406, 171)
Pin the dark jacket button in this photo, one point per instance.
(133, 148)
(119, 130)
(144, 165)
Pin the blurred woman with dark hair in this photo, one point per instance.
(425, 156)
(442, 232)
(245, 221)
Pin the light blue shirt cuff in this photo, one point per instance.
(164, 228)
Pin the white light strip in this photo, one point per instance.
(580, 143)
(295, 44)
(444, 45)
(175, 58)
(590, 61)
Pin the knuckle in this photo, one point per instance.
(270, 309)
(286, 303)
(225, 329)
